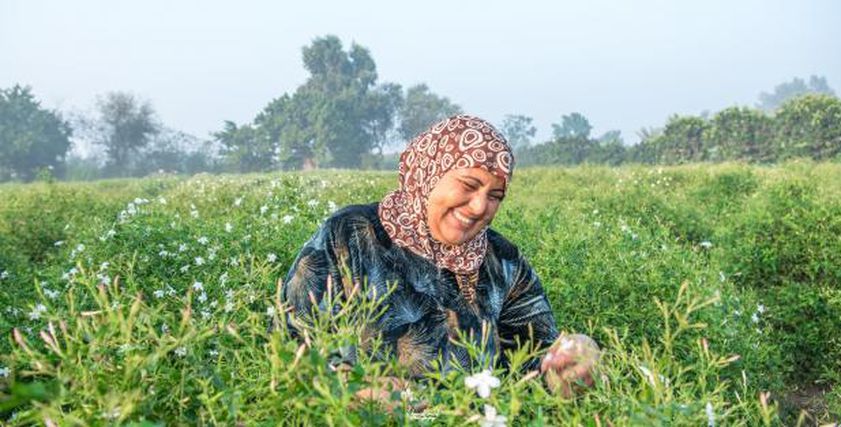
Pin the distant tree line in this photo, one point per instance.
(804, 126)
(342, 117)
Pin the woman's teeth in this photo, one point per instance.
(462, 219)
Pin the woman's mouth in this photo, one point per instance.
(463, 221)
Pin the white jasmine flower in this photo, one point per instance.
(202, 297)
(185, 268)
(181, 351)
(203, 240)
(4, 275)
(161, 200)
(182, 247)
(270, 311)
(159, 293)
(223, 278)
(710, 415)
(483, 382)
(4, 372)
(238, 201)
(492, 418)
(51, 294)
(37, 311)
(287, 219)
(331, 205)
(706, 244)
(199, 260)
(228, 227)
(213, 353)
(760, 308)
(754, 318)
(194, 213)
(263, 209)
(647, 374)
(312, 203)
(197, 286)
(271, 257)
(58, 243)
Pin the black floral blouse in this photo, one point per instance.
(428, 306)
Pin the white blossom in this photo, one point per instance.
(198, 286)
(710, 415)
(271, 257)
(37, 311)
(483, 382)
(263, 209)
(287, 219)
(199, 260)
(492, 418)
(238, 201)
(181, 351)
(159, 293)
(706, 244)
(203, 240)
(228, 227)
(4, 372)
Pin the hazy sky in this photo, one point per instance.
(623, 64)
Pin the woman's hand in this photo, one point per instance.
(570, 361)
(380, 393)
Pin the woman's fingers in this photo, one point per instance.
(556, 359)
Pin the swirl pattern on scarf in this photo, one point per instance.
(458, 142)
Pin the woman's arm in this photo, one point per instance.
(526, 315)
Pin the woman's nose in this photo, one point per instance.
(478, 204)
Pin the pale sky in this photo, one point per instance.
(623, 64)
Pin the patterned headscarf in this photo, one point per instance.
(458, 142)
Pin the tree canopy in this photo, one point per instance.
(31, 138)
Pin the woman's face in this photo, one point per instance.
(462, 203)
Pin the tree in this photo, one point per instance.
(125, 125)
(609, 149)
(244, 149)
(788, 90)
(175, 152)
(346, 108)
(682, 141)
(336, 118)
(518, 130)
(421, 109)
(740, 133)
(573, 125)
(31, 138)
(809, 126)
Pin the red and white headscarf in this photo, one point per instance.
(458, 142)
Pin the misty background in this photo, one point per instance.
(625, 68)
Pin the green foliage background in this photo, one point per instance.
(673, 270)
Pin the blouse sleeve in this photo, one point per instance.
(526, 314)
(325, 255)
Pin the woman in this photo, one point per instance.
(453, 273)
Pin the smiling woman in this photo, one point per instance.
(455, 275)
